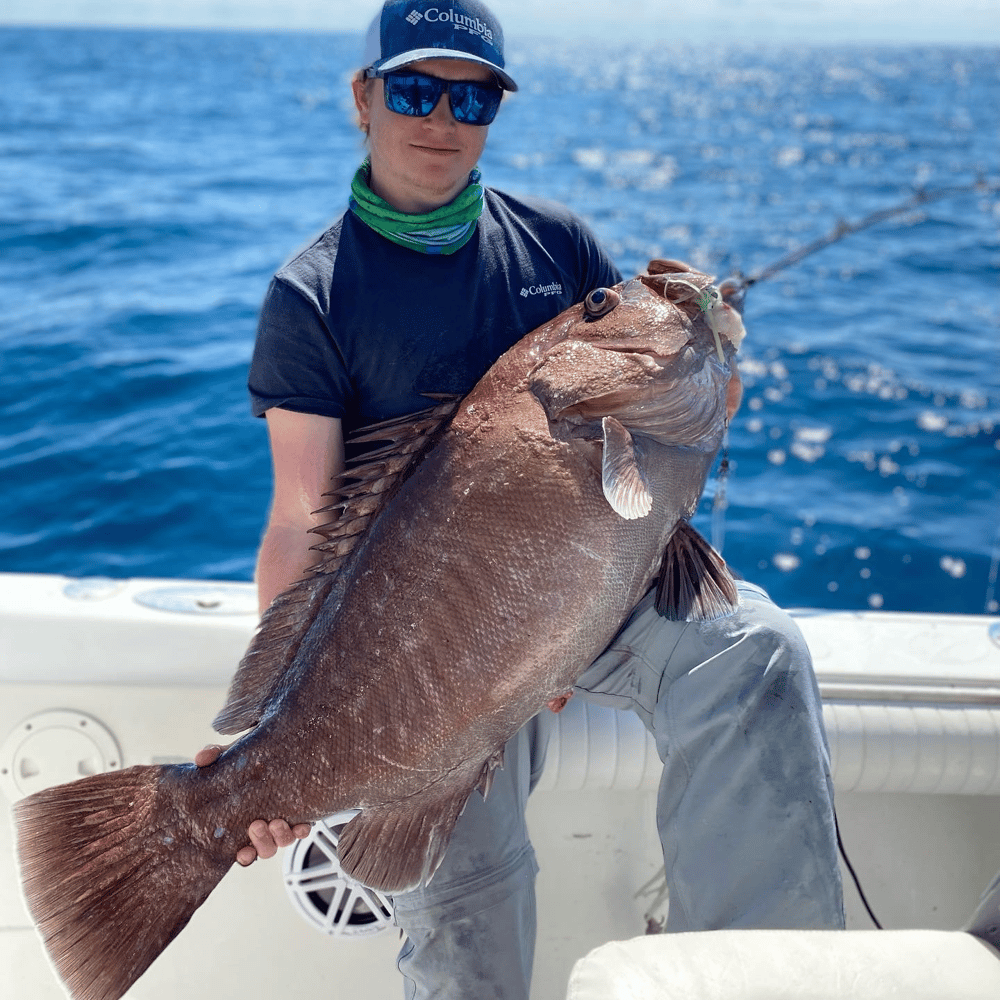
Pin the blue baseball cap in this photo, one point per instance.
(406, 31)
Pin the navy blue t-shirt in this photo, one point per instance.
(358, 327)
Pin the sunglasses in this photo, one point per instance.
(473, 102)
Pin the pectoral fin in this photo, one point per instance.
(695, 582)
(622, 473)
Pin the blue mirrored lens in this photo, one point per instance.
(416, 95)
(474, 103)
(412, 94)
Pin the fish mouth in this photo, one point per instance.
(686, 291)
(654, 355)
(695, 294)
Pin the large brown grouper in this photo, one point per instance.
(480, 560)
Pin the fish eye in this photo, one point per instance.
(600, 302)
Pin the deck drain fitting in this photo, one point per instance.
(54, 747)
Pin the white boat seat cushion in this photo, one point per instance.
(790, 965)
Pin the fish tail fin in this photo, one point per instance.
(107, 883)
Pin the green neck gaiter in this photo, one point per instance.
(444, 230)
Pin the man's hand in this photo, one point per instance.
(268, 837)
(558, 704)
(265, 837)
(734, 392)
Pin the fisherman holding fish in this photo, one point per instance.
(422, 284)
(520, 531)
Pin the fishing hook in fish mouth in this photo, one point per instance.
(709, 301)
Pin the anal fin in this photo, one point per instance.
(695, 583)
(399, 846)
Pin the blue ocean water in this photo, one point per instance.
(152, 181)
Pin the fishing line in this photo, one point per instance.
(734, 291)
(719, 503)
(736, 294)
(843, 229)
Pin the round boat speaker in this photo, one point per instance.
(323, 894)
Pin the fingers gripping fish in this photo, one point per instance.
(476, 563)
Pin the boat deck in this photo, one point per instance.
(912, 706)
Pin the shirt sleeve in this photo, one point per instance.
(296, 364)
(594, 266)
(599, 269)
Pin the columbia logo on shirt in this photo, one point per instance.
(554, 289)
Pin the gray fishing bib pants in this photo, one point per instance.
(744, 809)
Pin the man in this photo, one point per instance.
(418, 288)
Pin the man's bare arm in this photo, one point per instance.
(307, 451)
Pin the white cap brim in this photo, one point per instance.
(417, 55)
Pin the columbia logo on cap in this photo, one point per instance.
(408, 31)
(456, 19)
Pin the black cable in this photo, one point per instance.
(854, 874)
